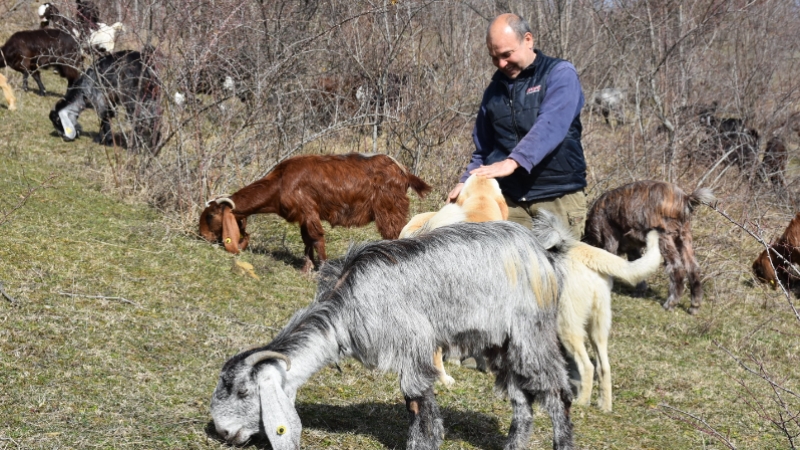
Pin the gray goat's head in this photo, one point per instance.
(250, 401)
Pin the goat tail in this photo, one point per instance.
(418, 185)
(630, 272)
(701, 195)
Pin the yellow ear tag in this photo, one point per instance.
(281, 430)
(227, 240)
(772, 282)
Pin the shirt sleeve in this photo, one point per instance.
(481, 136)
(561, 104)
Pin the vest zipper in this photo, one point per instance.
(513, 117)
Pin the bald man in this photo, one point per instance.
(528, 131)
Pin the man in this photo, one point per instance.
(528, 130)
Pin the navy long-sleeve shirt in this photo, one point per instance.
(562, 103)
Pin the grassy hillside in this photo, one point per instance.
(123, 319)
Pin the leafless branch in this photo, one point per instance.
(697, 423)
(100, 297)
(6, 215)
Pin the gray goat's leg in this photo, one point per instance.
(557, 403)
(522, 418)
(426, 429)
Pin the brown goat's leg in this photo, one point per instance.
(38, 79)
(693, 269)
(675, 268)
(308, 251)
(314, 239)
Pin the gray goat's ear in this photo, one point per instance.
(281, 422)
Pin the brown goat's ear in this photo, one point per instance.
(245, 240)
(230, 230)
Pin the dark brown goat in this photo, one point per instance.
(774, 163)
(620, 219)
(344, 190)
(28, 51)
(772, 266)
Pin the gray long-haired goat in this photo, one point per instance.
(473, 287)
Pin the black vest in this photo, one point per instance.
(511, 114)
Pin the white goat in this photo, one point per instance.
(104, 38)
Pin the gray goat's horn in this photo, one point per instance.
(257, 357)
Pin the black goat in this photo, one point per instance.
(119, 78)
(729, 139)
(28, 51)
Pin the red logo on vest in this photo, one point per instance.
(533, 89)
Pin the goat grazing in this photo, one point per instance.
(774, 263)
(119, 78)
(28, 51)
(345, 190)
(728, 140)
(488, 288)
(620, 219)
(8, 93)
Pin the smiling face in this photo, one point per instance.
(509, 53)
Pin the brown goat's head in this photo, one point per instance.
(763, 269)
(218, 223)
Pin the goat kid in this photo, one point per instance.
(8, 93)
(480, 287)
(345, 190)
(620, 219)
(119, 78)
(28, 51)
(480, 200)
(774, 264)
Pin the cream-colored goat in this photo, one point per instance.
(8, 93)
(585, 301)
(584, 307)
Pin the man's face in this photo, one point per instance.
(509, 54)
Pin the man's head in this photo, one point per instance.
(510, 43)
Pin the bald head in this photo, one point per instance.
(505, 23)
(510, 43)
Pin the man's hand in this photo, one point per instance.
(498, 169)
(453, 195)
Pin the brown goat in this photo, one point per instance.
(774, 163)
(620, 219)
(344, 190)
(28, 51)
(773, 267)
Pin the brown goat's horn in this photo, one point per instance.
(219, 199)
(226, 201)
(257, 357)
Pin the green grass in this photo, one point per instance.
(138, 371)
